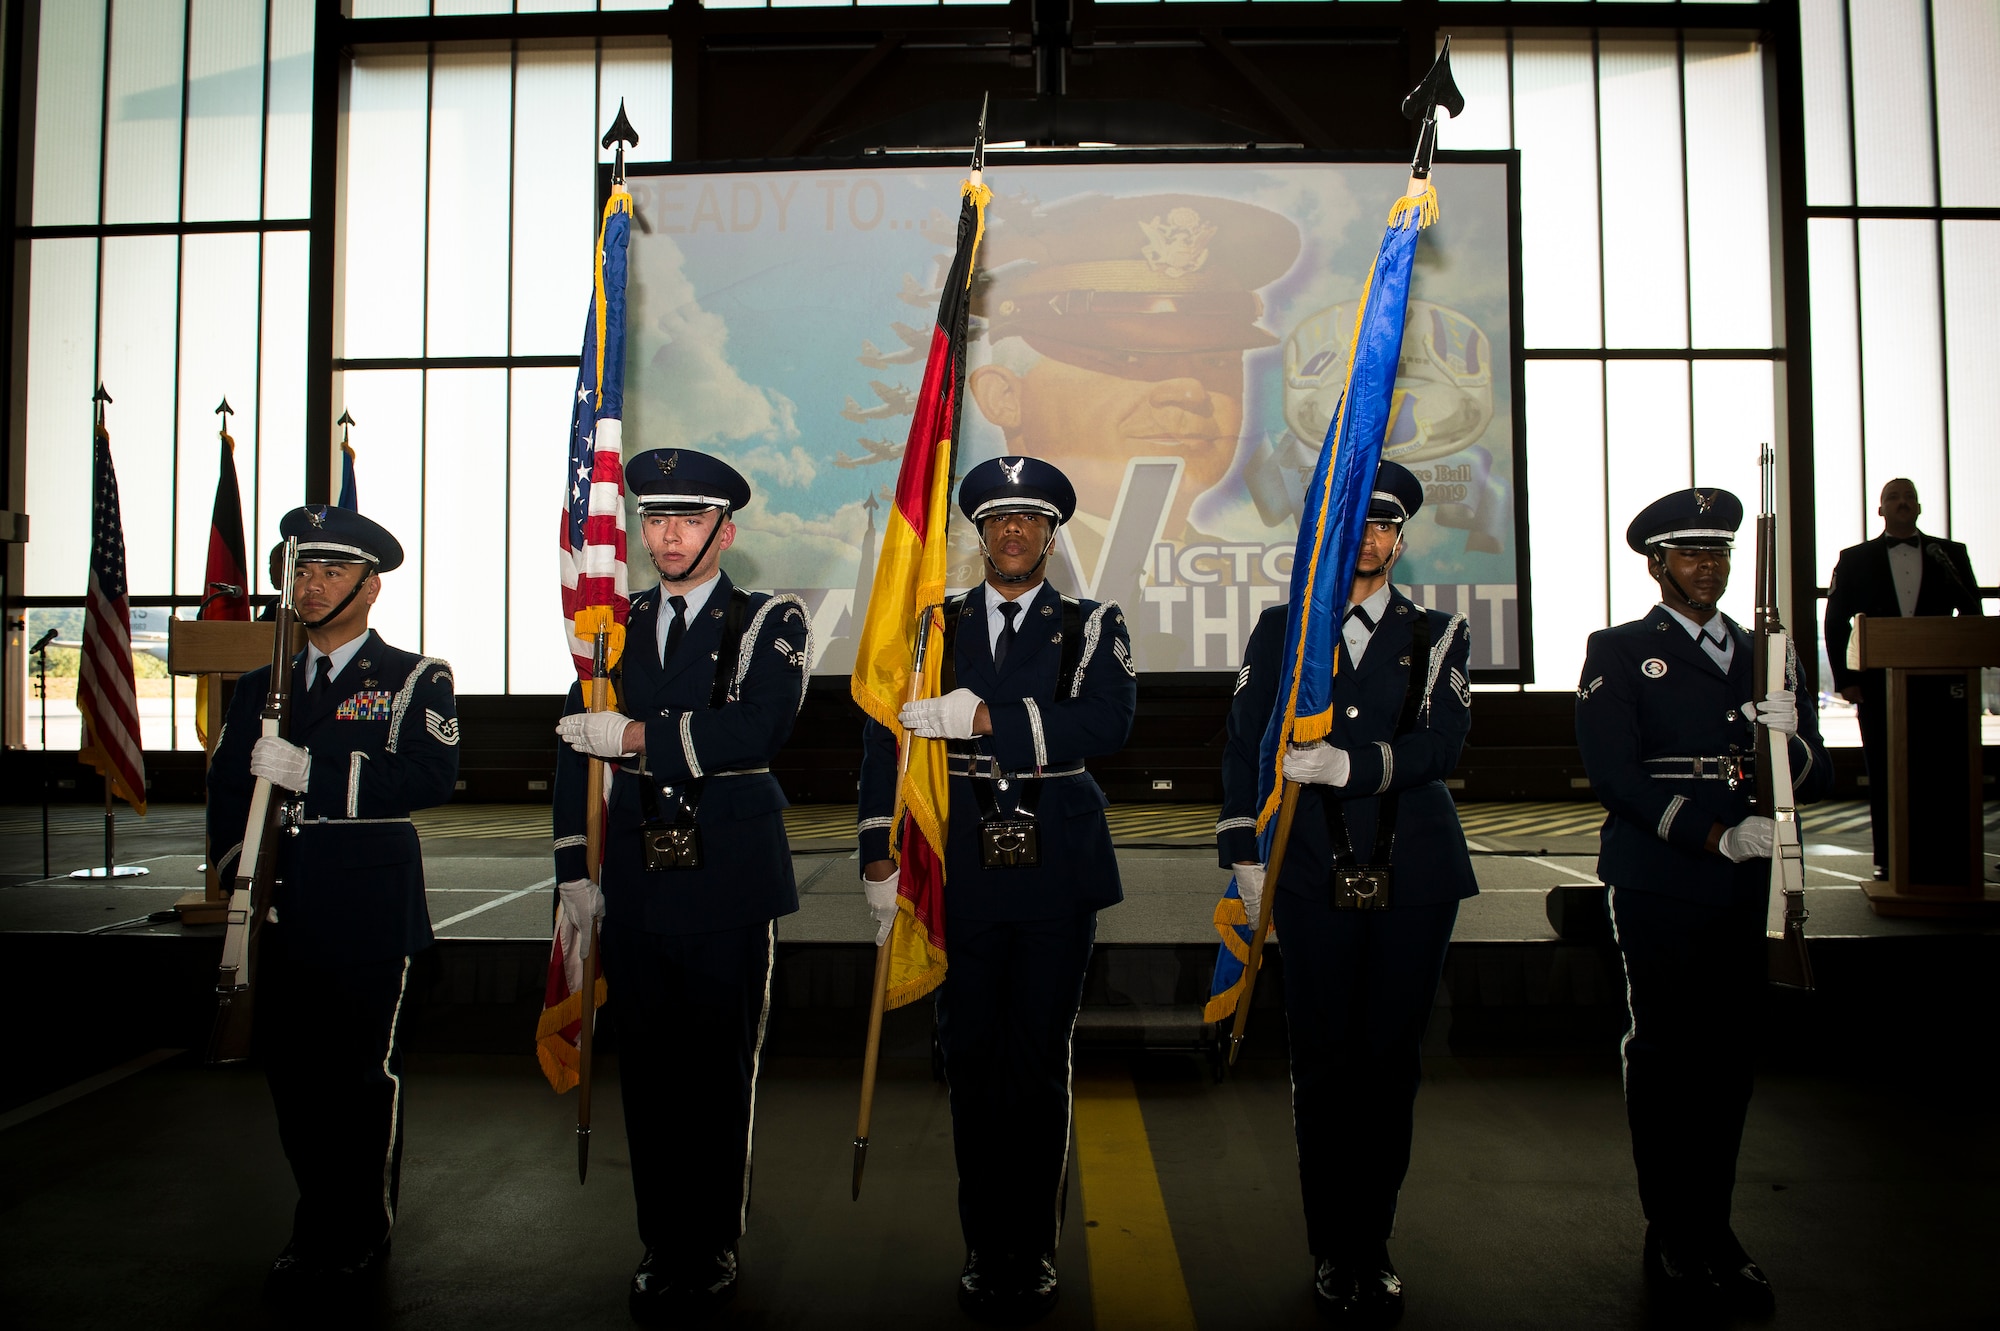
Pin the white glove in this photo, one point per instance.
(599, 734)
(1317, 764)
(280, 762)
(582, 901)
(882, 903)
(949, 717)
(1250, 886)
(1779, 711)
(1750, 839)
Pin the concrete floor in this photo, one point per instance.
(159, 1199)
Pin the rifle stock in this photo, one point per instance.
(1789, 963)
(257, 864)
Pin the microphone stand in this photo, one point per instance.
(41, 649)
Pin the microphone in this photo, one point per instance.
(218, 590)
(1935, 552)
(42, 643)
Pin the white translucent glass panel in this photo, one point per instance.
(1902, 361)
(69, 112)
(1823, 37)
(759, 4)
(1565, 402)
(62, 354)
(471, 6)
(1839, 513)
(642, 76)
(538, 658)
(1645, 224)
(465, 496)
(288, 124)
(225, 110)
(142, 140)
(1892, 102)
(382, 259)
(390, 406)
(1735, 415)
(1646, 456)
(1729, 220)
(555, 187)
(560, 6)
(218, 357)
(1554, 126)
(1479, 67)
(1966, 34)
(387, 8)
(469, 189)
(279, 483)
(1972, 296)
(136, 347)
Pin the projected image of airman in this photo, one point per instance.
(1118, 328)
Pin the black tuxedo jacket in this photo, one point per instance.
(1862, 585)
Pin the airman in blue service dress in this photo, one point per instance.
(374, 735)
(1665, 718)
(1361, 971)
(1036, 683)
(696, 869)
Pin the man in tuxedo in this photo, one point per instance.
(1901, 572)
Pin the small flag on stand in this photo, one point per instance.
(105, 692)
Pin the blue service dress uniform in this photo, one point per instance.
(348, 912)
(687, 952)
(1669, 752)
(1359, 983)
(1018, 940)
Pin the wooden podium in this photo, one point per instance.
(1937, 844)
(217, 650)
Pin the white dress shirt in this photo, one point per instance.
(340, 656)
(696, 598)
(1358, 635)
(1714, 636)
(1906, 568)
(995, 621)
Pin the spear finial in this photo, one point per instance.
(620, 133)
(979, 139)
(1437, 90)
(346, 422)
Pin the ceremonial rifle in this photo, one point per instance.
(1785, 917)
(257, 862)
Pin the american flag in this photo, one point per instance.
(593, 525)
(104, 689)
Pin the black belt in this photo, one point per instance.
(1731, 769)
(983, 768)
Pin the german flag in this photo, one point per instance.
(909, 585)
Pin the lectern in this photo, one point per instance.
(217, 650)
(1937, 850)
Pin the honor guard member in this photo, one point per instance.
(1901, 572)
(373, 736)
(1034, 683)
(1666, 716)
(696, 869)
(1367, 897)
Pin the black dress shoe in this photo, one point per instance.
(1378, 1289)
(1739, 1281)
(666, 1289)
(1036, 1293)
(1678, 1274)
(1007, 1289)
(290, 1275)
(1336, 1290)
(360, 1266)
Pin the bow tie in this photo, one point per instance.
(1895, 541)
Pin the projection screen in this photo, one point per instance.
(1172, 333)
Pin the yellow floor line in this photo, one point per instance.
(1135, 1270)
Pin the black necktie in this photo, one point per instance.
(1356, 612)
(677, 629)
(322, 680)
(1007, 633)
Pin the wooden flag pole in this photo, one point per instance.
(1287, 805)
(600, 699)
